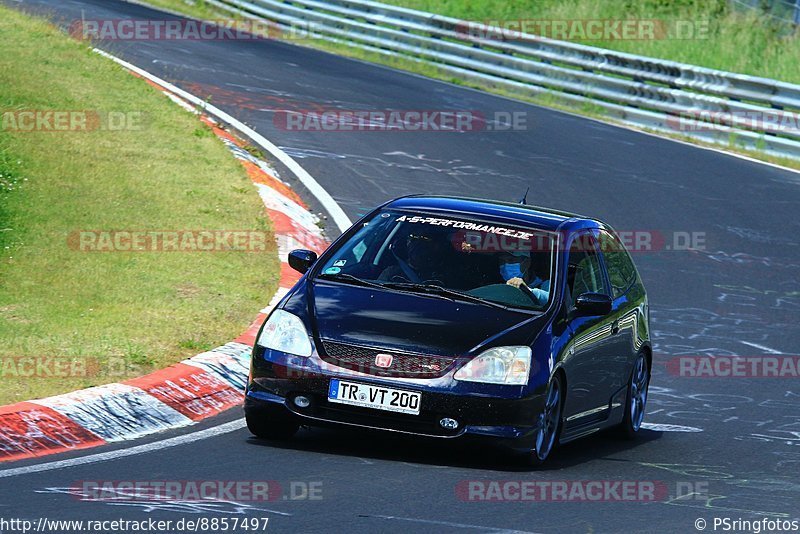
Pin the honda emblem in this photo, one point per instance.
(383, 360)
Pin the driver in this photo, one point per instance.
(424, 259)
(516, 269)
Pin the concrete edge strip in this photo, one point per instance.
(198, 387)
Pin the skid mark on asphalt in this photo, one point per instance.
(749, 494)
(762, 347)
(767, 421)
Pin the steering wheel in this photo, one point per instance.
(525, 288)
(504, 293)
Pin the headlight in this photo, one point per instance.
(498, 365)
(285, 332)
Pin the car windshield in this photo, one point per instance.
(456, 258)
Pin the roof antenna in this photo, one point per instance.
(524, 199)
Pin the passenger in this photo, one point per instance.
(515, 269)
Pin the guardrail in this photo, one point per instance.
(720, 107)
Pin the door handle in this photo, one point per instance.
(615, 328)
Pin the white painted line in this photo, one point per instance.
(122, 453)
(338, 215)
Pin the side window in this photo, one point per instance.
(621, 271)
(584, 274)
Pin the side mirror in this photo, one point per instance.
(593, 304)
(301, 260)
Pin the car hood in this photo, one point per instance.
(406, 322)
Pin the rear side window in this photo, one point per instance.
(584, 274)
(621, 271)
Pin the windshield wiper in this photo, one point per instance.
(410, 287)
(435, 289)
(350, 279)
(397, 286)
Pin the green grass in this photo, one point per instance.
(123, 311)
(736, 41)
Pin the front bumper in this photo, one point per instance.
(499, 412)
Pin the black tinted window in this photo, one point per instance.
(583, 271)
(507, 265)
(621, 271)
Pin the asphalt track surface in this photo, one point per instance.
(737, 296)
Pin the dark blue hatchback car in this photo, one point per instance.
(452, 317)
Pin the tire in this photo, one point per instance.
(262, 426)
(546, 438)
(636, 399)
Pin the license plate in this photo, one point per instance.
(377, 397)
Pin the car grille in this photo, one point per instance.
(362, 359)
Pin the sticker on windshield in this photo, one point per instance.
(466, 225)
(339, 263)
(333, 270)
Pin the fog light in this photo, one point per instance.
(448, 424)
(302, 402)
